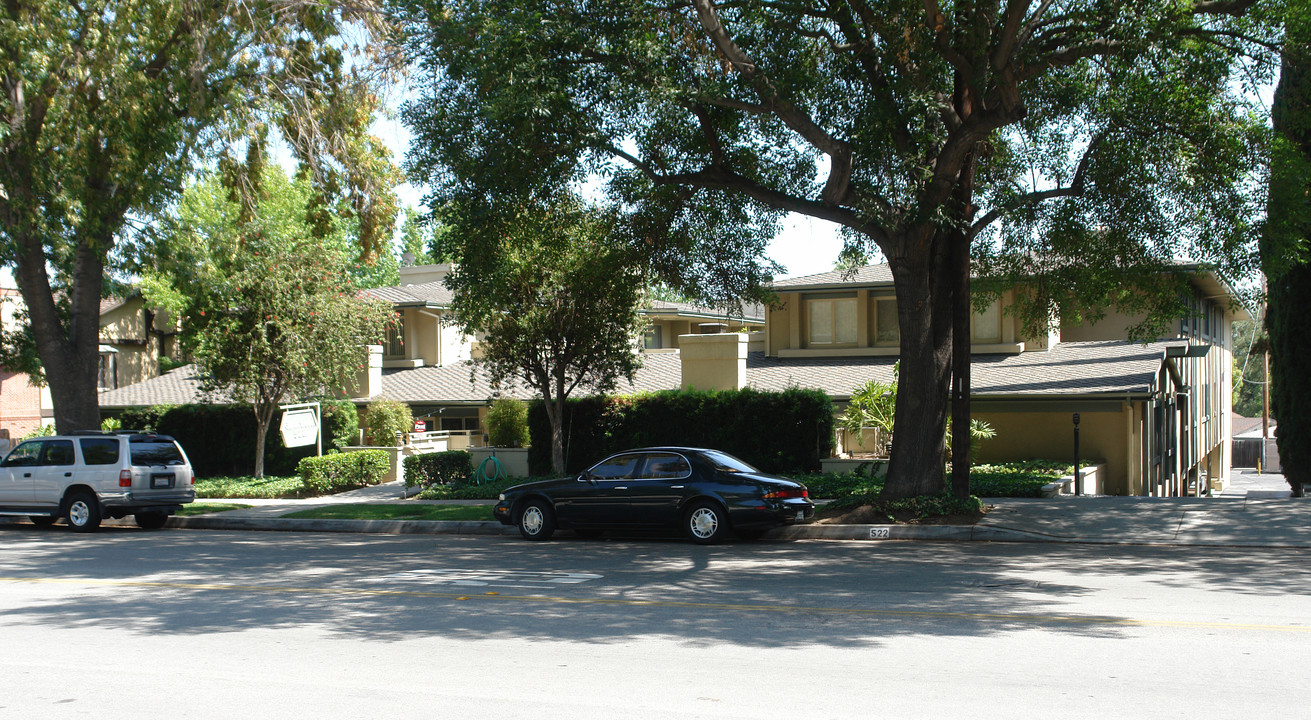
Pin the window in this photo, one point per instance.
(58, 452)
(154, 451)
(396, 338)
(831, 320)
(619, 467)
(653, 338)
(107, 376)
(666, 467)
(25, 455)
(887, 331)
(985, 327)
(99, 451)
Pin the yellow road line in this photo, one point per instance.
(620, 602)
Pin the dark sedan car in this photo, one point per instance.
(706, 493)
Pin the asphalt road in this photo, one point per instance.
(207, 624)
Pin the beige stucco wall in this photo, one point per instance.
(1103, 437)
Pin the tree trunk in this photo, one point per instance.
(959, 242)
(924, 317)
(69, 352)
(263, 419)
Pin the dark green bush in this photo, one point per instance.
(220, 439)
(344, 471)
(777, 432)
(439, 468)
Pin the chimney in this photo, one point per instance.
(368, 382)
(714, 362)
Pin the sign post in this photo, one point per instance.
(301, 426)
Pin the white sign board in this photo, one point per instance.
(300, 427)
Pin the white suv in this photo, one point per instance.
(85, 477)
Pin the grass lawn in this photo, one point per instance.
(207, 508)
(396, 511)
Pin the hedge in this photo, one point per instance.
(220, 439)
(778, 432)
(344, 471)
(439, 468)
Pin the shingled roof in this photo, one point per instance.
(1112, 368)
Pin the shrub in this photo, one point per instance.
(778, 432)
(384, 418)
(341, 424)
(440, 468)
(507, 423)
(343, 471)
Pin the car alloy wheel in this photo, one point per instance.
(705, 523)
(83, 512)
(537, 521)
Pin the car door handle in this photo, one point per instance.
(621, 487)
(68, 474)
(675, 487)
(27, 474)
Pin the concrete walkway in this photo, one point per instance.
(1254, 511)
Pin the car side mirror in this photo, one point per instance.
(586, 478)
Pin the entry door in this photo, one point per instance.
(54, 473)
(602, 499)
(17, 473)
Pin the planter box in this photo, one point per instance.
(514, 461)
(873, 467)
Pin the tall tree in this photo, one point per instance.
(271, 311)
(1099, 132)
(106, 105)
(556, 295)
(1286, 253)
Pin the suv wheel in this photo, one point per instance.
(83, 512)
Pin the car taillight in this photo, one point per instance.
(125, 478)
(787, 493)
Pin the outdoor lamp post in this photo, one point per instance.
(1076, 453)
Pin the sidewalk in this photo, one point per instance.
(1254, 511)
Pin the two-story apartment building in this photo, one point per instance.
(1155, 416)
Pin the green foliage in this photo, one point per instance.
(452, 467)
(220, 439)
(145, 419)
(1074, 145)
(111, 424)
(1250, 342)
(787, 431)
(980, 430)
(344, 471)
(554, 292)
(507, 423)
(384, 418)
(267, 487)
(872, 405)
(471, 491)
(41, 431)
(111, 104)
(1016, 479)
(911, 508)
(341, 424)
(1286, 253)
(272, 313)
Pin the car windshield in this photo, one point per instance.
(724, 462)
(155, 452)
